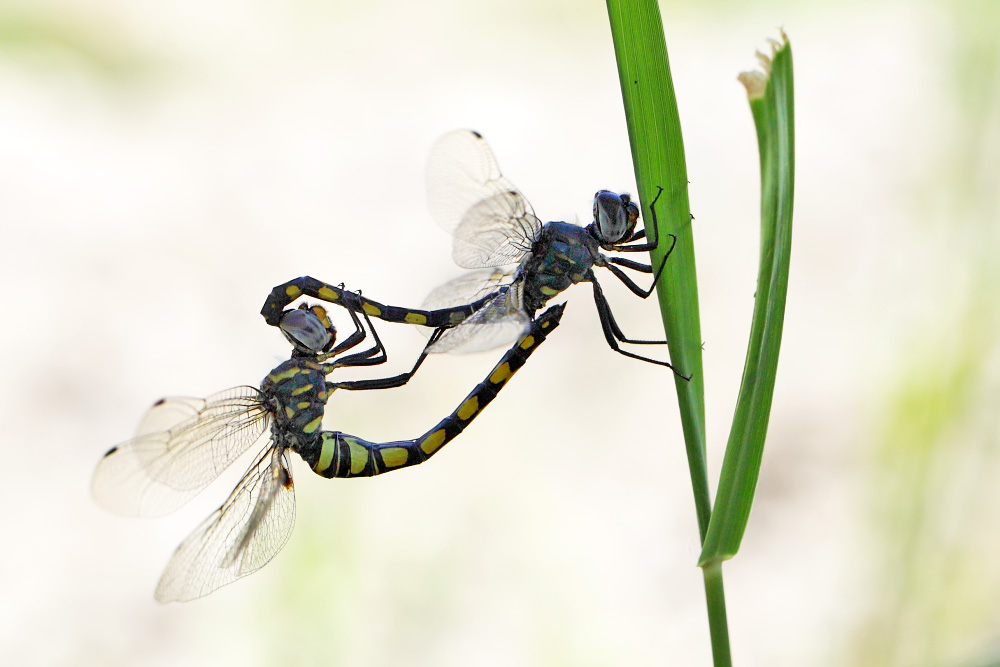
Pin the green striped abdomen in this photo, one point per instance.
(337, 454)
(282, 295)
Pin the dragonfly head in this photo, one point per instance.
(309, 329)
(615, 216)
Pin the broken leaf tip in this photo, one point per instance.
(755, 81)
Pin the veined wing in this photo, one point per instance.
(181, 445)
(468, 287)
(493, 224)
(493, 325)
(240, 537)
(495, 231)
(496, 324)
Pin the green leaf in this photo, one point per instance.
(771, 103)
(654, 130)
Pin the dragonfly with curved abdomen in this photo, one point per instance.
(183, 444)
(518, 263)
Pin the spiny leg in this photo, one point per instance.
(631, 264)
(388, 382)
(641, 234)
(373, 356)
(358, 335)
(612, 333)
(612, 323)
(645, 268)
(638, 266)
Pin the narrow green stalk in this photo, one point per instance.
(712, 574)
(658, 157)
(654, 130)
(771, 96)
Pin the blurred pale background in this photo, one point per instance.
(163, 165)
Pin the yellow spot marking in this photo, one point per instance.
(292, 291)
(284, 375)
(545, 325)
(359, 456)
(416, 318)
(326, 454)
(501, 373)
(320, 312)
(302, 405)
(313, 425)
(527, 342)
(455, 318)
(468, 409)
(371, 310)
(301, 390)
(327, 294)
(394, 456)
(289, 412)
(430, 444)
(549, 291)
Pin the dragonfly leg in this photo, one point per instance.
(638, 266)
(631, 284)
(631, 264)
(352, 341)
(614, 335)
(342, 455)
(604, 306)
(387, 382)
(641, 234)
(374, 355)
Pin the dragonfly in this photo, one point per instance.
(183, 444)
(517, 263)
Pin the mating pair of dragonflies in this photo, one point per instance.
(517, 265)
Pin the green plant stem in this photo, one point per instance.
(719, 629)
(658, 157)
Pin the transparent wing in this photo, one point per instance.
(495, 231)
(492, 222)
(495, 324)
(240, 537)
(498, 323)
(181, 445)
(468, 287)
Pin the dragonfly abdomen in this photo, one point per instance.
(286, 293)
(337, 454)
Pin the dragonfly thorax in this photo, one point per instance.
(295, 392)
(615, 217)
(562, 256)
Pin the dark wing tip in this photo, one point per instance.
(159, 402)
(111, 451)
(476, 134)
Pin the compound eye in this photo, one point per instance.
(633, 215)
(613, 216)
(308, 330)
